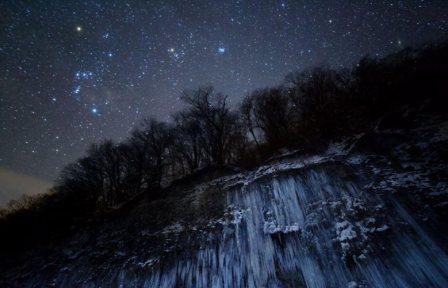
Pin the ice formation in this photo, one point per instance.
(313, 229)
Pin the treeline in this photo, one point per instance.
(207, 133)
(310, 109)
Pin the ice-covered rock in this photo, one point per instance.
(261, 251)
(340, 219)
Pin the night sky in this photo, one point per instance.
(76, 72)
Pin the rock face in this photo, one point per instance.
(314, 229)
(346, 218)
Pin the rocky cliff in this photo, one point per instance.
(368, 212)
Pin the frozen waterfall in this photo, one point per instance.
(313, 229)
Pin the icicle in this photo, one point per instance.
(314, 230)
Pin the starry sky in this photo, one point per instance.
(76, 72)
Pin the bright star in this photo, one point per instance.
(84, 75)
(77, 89)
(176, 55)
(78, 28)
(221, 50)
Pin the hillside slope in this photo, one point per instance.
(368, 212)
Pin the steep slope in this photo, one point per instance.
(369, 212)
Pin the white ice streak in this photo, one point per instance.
(311, 230)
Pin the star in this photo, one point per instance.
(77, 89)
(145, 53)
(95, 111)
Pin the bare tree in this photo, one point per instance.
(98, 176)
(215, 120)
(154, 139)
(110, 162)
(270, 111)
(319, 95)
(247, 116)
(134, 161)
(188, 140)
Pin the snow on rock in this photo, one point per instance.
(147, 263)
(345, 231)
(173, 228)
(283, 232)
(294, 222)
